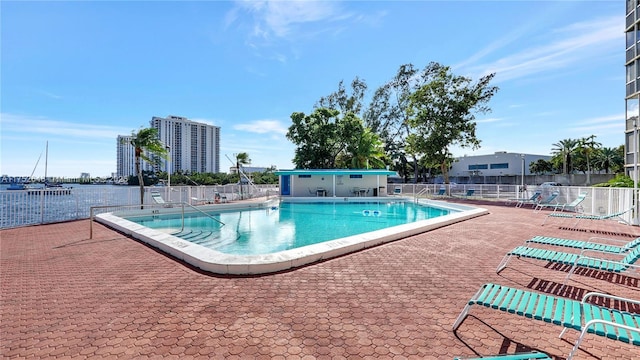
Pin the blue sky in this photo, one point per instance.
(77, 74)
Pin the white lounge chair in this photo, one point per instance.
(157, 198)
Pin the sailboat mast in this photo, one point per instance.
(46, 159)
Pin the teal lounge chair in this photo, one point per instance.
(626, 264)
(441, 192)
(531, 200)
(572, 206)
(519, 356)
(571, 314)
(468, 193)
(549, 200)
(622, 247)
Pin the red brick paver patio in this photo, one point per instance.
(66, 296)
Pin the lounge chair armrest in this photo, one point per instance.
(608, 296)
(634, 266)
(609, 323)
(595, 239)
(584, 251)
(519, 356)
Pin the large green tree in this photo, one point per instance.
(344, 101)
(321, 137)
(148, 147)
(541, 167)
(442, 113)
(387, 115)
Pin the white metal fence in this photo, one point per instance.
(32, 207)
(23, 208)
(599, 200)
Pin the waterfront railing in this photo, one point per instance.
(33, 207)
(27, 207)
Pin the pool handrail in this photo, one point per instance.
(91, 212)
(421, 192)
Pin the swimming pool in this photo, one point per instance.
(263, 237)
(287, 225)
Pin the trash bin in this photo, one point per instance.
(375, 192)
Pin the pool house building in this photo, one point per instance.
(333, 182)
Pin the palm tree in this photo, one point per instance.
(146, 145)
(607, 158)
(368, 151)
(586, 146)
(565, 149)
(241, 159)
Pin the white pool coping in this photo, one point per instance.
(220, 263)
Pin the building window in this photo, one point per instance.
(500, 166)
(478, 167)
(304, 176)
(355, 176)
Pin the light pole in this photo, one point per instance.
(168, 171)
(635, 172)
(522, 180)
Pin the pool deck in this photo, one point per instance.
(64, 295)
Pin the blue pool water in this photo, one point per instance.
(288, 225)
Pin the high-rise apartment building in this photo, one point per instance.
(125, 157)
(632, 94)
(193, 147)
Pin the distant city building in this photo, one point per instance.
(85, 176)
(125, 157)
(632, 94)
(193, 147)
(248, 169)
(500, 163)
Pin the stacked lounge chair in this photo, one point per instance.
(549, 200)
(628, 263)
(532, 200)
(572, 206)
(580, 216)
(602, 245)
(582, 316)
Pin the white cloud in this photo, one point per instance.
(616, 118)
(599, 126)
(263, 127)
(572, 45)
(599, 130)
(488, 120)
(280, 18)
(42, 125)
(50, 95)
